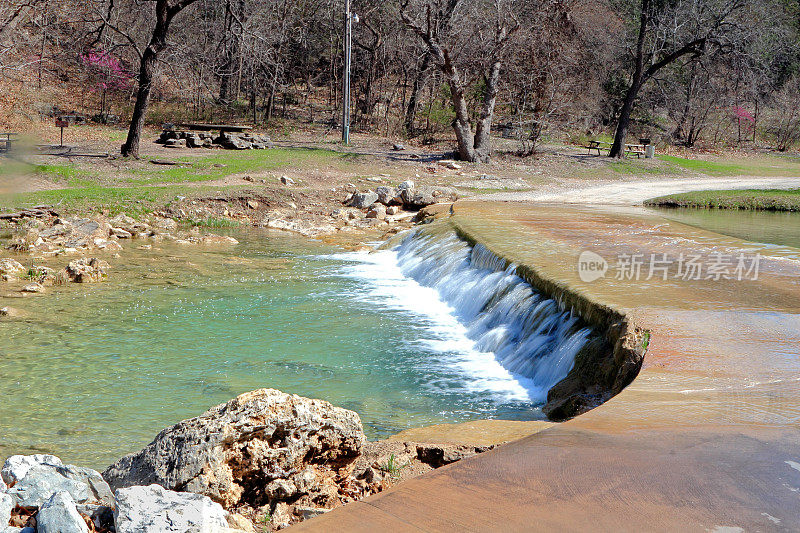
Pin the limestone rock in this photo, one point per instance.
(362, 200)
(408, 184)
(59, 515)
(392, 210)
(240, 523)
(6, 506)
(16, 467)
(286, 180)
(85, 270)
(33, 287)
(377, 211)
(234, 450)
(388, 195)
(427, 195)
(35, 478)
(150, 509)
(10, 269)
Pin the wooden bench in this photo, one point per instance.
(598, 145)
(638, 149)
(630, 149)
(6, 140)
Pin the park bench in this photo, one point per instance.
(638, 149)
(598, 145)
(630, 149)
(6, 140)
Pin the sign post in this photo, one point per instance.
(62, 123)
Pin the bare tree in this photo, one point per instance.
(477, 146)
(667, 32)
(165, 13)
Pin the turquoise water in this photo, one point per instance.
(92, 372)
(779, 228)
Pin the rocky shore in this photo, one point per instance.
(260, 462)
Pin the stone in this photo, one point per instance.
(362, 200)
(309, 512)
(36, 478)
(6, 506)
(280, 489)
(120, 233)
(449, 163)
(281, 516)
(377, 211)
(388, 195)
(408, 184)
(286, 180)
(398, 147)
(232, 451)
(427, 195)
(59, 515)
(123, 221)
(10, 269)
(33, 288)
(237, 521)
(154, 509)
(252, 204)
(16, 467)
(218, 239)
(175, 143)
(102, 516)
(85, 270)
(392, 210)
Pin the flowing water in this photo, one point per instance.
(432, 331)
(777, 228)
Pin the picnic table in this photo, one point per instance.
(6, 140)
(638, 149)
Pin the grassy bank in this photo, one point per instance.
(750, 199)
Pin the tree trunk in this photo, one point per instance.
(158, 41)
(420, 79)
(483, 139)
(146, 72)
(618, 148)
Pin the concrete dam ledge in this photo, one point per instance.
(703, 439)
(603, 367)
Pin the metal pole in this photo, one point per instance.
(348, 29)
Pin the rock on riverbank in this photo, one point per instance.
(264, 457)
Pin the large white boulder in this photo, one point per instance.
(154, 509)
(59, 515)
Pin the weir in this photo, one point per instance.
(562, 359)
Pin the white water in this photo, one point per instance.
(485, 321)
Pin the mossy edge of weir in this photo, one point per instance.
(602, 368)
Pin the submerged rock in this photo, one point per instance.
(234, 451)
(152, 508)
(59, 515)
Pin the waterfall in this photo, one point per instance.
(526, 332)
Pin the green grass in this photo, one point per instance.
(217, 166)
(764, 165)
(750, 199)
(212, 222)
(131, 200)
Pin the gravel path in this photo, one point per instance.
(636, 192)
